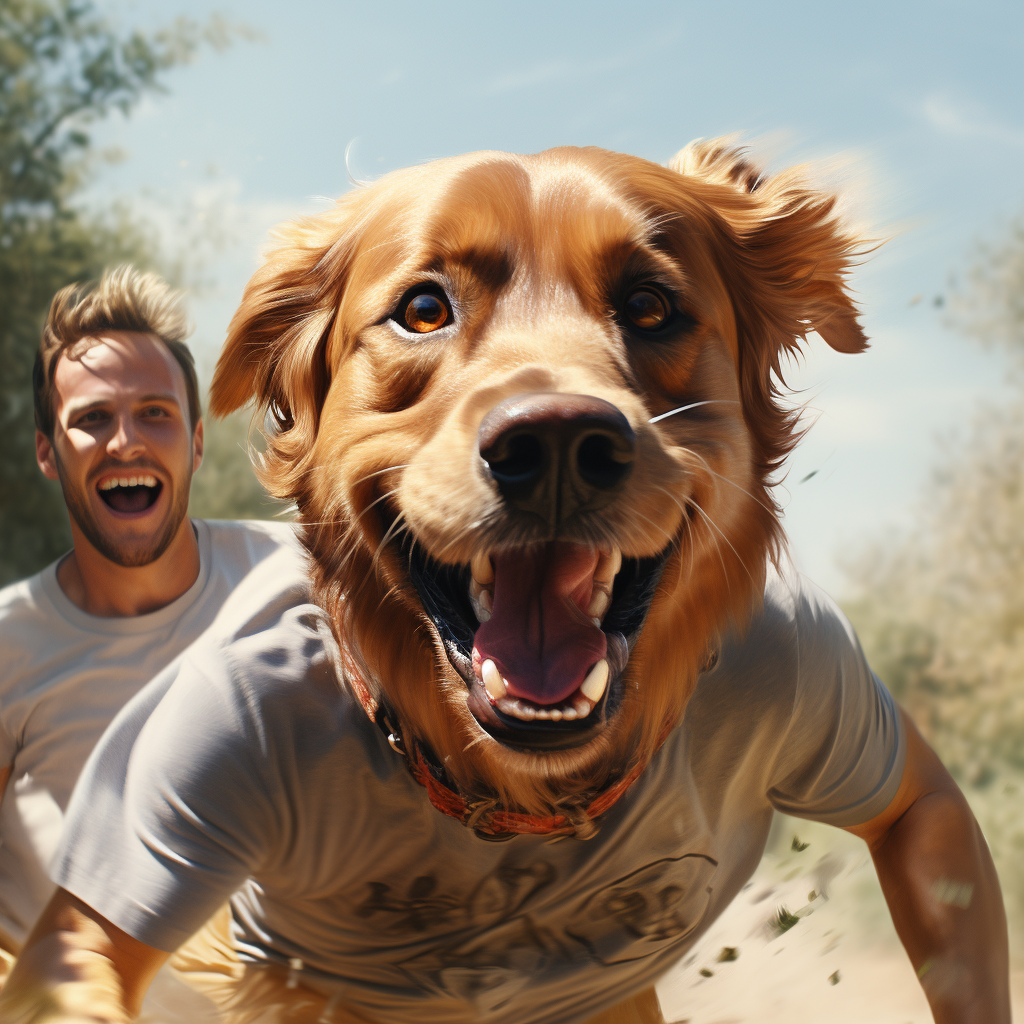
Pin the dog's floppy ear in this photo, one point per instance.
(785, 260)
(275, 352)
(796, 252)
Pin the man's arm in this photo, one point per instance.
(77, 967)
(5, 774)
(941, 886)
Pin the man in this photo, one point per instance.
(119, 425)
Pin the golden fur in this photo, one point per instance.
(371, 430)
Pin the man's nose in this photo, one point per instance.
(125, 442)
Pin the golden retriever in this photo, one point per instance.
(528, 408)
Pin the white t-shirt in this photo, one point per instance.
(64, 674)
(246, 768)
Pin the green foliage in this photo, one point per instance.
(783, 921)
(226, 486)
(940, 612)
(61, 67)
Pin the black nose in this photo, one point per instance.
(556, 455)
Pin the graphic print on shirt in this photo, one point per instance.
(499, 940)
(646, 910)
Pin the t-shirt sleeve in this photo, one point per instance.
(187, 794)
(841, 758)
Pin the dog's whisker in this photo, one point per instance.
(715, 526)
(719, 476)
(692, 405)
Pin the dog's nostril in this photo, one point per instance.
(603, 461)
(520, 460)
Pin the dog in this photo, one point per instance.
(530, 411)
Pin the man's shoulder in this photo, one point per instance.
(760, 662)
(271, 685)
(271, 646)
(25, 609)
(250, 540)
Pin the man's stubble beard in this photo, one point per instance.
(79, 510)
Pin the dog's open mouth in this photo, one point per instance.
(541, 635)
(130, 494)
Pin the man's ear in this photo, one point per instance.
(46, 457)
(197, 446)
(275, 352)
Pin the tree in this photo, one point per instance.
(940, 612)
(62, 67)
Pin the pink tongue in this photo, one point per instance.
(129, 499)
(539, 634)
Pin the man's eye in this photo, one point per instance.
(423, 312)
(154, 411)
(93, 416)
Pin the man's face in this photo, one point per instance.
(123, 448)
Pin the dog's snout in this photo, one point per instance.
(555, 455)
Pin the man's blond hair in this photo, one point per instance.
(123, 300)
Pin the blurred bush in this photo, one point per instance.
(226, 486)
(940, 612)
(62, 67)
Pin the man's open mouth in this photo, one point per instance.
(130, 494)
(541, 635)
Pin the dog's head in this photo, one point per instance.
(528, 409)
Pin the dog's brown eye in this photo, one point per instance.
(425, 313)
(646, 309)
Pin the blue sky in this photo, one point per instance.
(913, 110)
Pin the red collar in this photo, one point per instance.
(483, 814)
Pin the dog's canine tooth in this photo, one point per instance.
(481, 569)
(597, 679)
(599, 604)
(481, 602)
(608, 565)
(493, 683)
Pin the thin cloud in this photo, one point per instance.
(561, 69)
(530, 77)
(964, 119)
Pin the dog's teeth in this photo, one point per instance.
(568, 713)
(481, 600)
(599, 605)
(480, 609)
(524, 711)
(493, 683)
(583, 707)
(481, 568)
(608, 565)
(597, 679)
(555, 714)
